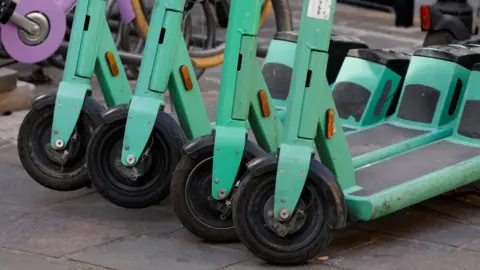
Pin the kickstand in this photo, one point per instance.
(37, 76)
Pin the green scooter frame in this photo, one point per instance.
(56, 159)
(204, 179)
(302, 200)
(133, 154)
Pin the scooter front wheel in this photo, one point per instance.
(290, 242)
(61, 170)
(197, 210)
(148, 182)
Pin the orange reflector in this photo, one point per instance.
(330, 123)
(425, 20)
(262, 96)
(187, 80)
(112, 64)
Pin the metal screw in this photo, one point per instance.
(55, 132)
(130, 159)
(218, 150)
(281, 169)
(237, 153)
(59, 143)
(284, 213)
(127, 147)
(284, 200)
(217, 181)
(222, 194)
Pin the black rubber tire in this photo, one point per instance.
(151, 188)
(261, 241)
(75, 175)
(223, 230)
(438, 38)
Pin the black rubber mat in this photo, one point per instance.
(277, 76)
(351, 99)
(378, 137)
(411, 165)
(469, 124)
(419, 103)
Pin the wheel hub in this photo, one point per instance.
(63, 156)
(200, 200)
(40, 33)
(222, 206)
(284, 228)
(133, 173)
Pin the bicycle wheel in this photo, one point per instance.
(143, 13)
(210, 57)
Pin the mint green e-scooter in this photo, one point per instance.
(288, 204)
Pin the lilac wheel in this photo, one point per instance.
(126, 10)
(31, 49)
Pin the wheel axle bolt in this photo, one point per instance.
(284, 200)
(270, 213)
(284, 213)
(222, 194)
(59, 143)
(130, 159)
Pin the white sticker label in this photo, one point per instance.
(319, 9)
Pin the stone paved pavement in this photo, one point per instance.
(47, 230)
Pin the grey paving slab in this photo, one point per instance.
(53, 235)
(8, 147)
(8, 212)
(397, 254)
(259, 265)
(422, 225)
(184, 235)
(17, 188)
(463, 210)
(349, 238)
(11, 261)
(161, 252)
(475, 245)
(93, 208)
